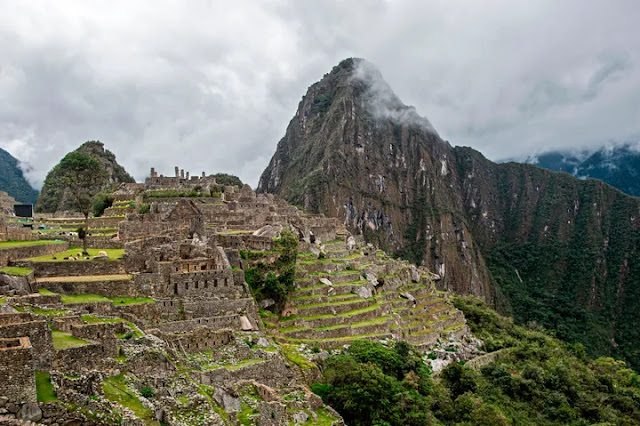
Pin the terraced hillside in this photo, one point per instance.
(343, 294)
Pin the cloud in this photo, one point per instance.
(212, 86)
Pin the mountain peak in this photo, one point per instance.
(371, 92)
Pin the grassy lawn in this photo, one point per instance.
(85, 278)
(114, 254)
(123, 301)
(93, 319)
(14, 270)
(83, 298)
(116, 390)
(13, 244)
(46, 292)
(48, 312)
(44, 389)
(63, 340)
(94, 298)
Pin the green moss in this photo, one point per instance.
(48, 312)
(63, 340)
(246, 414)
(46, 292)
(44, 388)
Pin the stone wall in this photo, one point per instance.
(228, 321)
(39, 335)
(108, 288)
(83, 358)
(217, 283)
(23, 252)
(17, 376)
(74, 268)
(200, 339)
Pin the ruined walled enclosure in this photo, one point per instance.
(159, 324)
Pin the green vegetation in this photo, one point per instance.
(275, 281)
(94, 298)
(57, 191)
(535, 380)
(13, 244)
(44, 388)
(114, 254)
(14, 270)
(228, 180)
(12, 180)
(116, 390)
(373, 384)
(46, 292)
(63, 340)
(102, 201)
(294, 356)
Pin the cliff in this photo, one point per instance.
(540, 245)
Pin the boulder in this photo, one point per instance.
(267, 303)
(326, 282)
(372, 278)
(245, 323)
(262, 342)
(408, 296)
(351, 243)
(300, 417)
(30, 412)
(100, 257)
(227, 400)
(364, 292)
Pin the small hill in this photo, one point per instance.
(53, 198)
(13, 182)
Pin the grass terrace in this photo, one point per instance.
(14, 244)
(96, 298)
(85, 278)
(114, 254)
(44, 388)
(63, 340)
(16, 271)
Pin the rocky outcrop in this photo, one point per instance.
(543, 246)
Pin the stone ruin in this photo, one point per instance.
(175, 314)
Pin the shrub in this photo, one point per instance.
(147, 392)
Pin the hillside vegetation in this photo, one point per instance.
(536, 380)
(12, 180)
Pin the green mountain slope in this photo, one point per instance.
(13, 182)
(53, 198)
(541, 245)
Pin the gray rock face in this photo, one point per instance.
(262, 342)
(226, 400)
(408, 296)
(300, 417)
(326, 282)
(30, 412)
(267, 303)
(364, 292)
(372, 278)
(351, 243)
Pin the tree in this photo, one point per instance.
(84, 176)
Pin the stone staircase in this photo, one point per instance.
(337, 301)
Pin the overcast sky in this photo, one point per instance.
(211, 86)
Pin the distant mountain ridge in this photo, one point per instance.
(53, 196)
(12, 180)
(617, 165)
